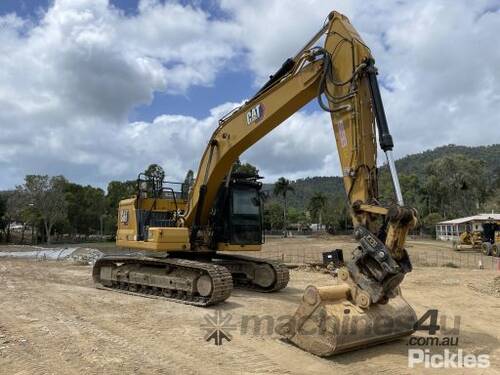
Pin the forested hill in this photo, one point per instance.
(305, 188)
(414, 164)
(444, 183)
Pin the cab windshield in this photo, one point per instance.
(246, 202)
(246, 220)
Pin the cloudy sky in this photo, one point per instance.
(96, 90)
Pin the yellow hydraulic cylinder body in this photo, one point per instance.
(327, 322)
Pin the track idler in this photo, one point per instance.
(331, 320)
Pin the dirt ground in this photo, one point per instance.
(53, 321)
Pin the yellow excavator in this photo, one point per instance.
(187, 241)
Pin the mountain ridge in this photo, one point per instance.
(304, 188)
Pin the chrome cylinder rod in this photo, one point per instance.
(394, 176)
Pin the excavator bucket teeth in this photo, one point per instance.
(327, 322)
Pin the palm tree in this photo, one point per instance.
(281, 188)
(317, 205)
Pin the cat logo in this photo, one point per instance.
(255, 114)
(124, 217)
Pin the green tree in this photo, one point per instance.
(86, 208)
(32, 217)
(455, 185)
(188, 183)
(155, 171)
(18, 206)
(293, 215)
(155, 176)
(304, 221)
(385, 188)
(273, 216)
(317, 206)
(281, 188)
(246, 168)
(336, 215)
(48, 199)
(4, 221)
(411, 188)
(265, 196)
(116, 191)
(429, 222)
(492, 203)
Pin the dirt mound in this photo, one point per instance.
(491, 288)
(85, 256)
(496, 286)
(76, 255)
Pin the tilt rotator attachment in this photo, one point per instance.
(365, 307)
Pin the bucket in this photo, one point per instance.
(327, 322)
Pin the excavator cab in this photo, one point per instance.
(237, 215)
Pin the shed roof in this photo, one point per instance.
(480, 217)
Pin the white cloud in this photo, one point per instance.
(436, 59)
(304, 145)
(174, 141)
(275, 30)
(68, 82)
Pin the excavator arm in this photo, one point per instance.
(342, 76)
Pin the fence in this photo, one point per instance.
(455, 259)
(419, 258)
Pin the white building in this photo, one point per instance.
(16, 227)
(451, 229)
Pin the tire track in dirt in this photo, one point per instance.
(246, 358)
(178, 339)
(114, 343)
(65, 321)
(24, 356)
(50, 272)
